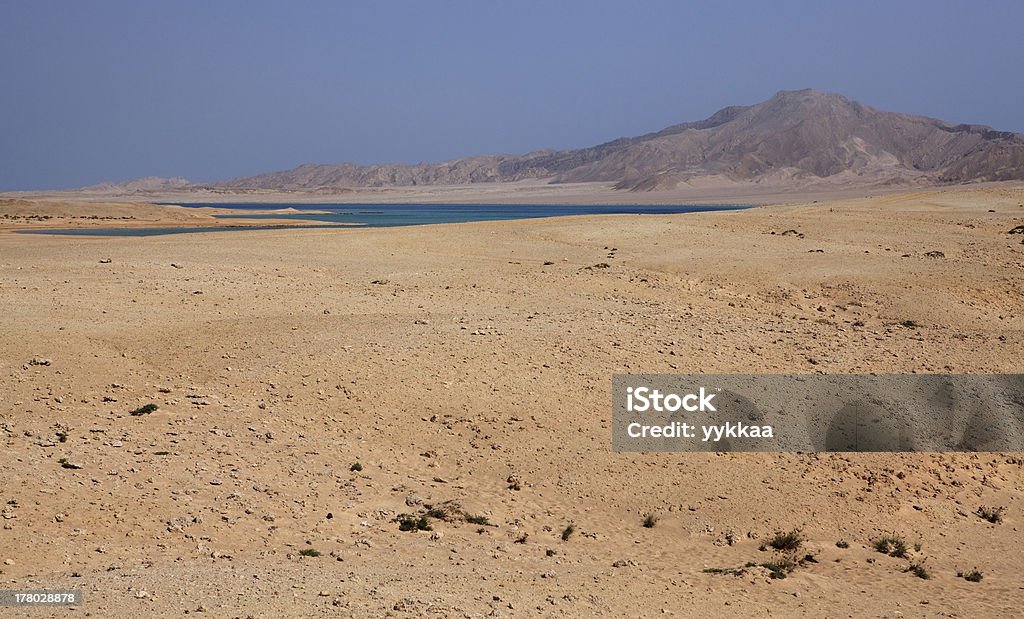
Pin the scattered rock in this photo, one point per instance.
(40, 361)
(105, 260)
(935, 254)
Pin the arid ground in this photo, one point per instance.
(312, 386)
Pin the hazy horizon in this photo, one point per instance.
(111, 91)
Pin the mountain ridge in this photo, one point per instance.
(795, 138)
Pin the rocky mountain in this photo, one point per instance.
(795, 138)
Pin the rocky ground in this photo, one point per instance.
(311, 387)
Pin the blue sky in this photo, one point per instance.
(108, 91)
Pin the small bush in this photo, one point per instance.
(787, 542)
(568, 531)
(779, 569)
(481, 520)
(713, 570)
(437, 512)
(309, 552)
(918, 569)
(992, 514)
(144, 410)
(356, 467)
(409, 522)
(650, 520)
(974, 575)
(892, 545)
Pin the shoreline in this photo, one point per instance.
(525, 192)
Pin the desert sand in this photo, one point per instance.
(467, 368)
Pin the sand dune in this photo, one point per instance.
(467, 370)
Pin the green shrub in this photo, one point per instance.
(918, 569)
(787, 542)
(410, 522)
(892, 545)
(992, 514)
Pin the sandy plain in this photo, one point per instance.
(467, 368)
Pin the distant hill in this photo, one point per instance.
(796, 138)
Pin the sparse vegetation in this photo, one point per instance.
(918, 569)
(787, 542)
(777, 569)
(974, 575)
(309, 552)
(892, 545)
(910, 324)
(477, 519)
(437, 512)
(356, 467)
(992, 514)
(410, 522)
(650, 520)
(568, 531)
(780, 568)
(161, 453)
(144, 410)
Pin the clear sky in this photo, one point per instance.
(109, 91)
